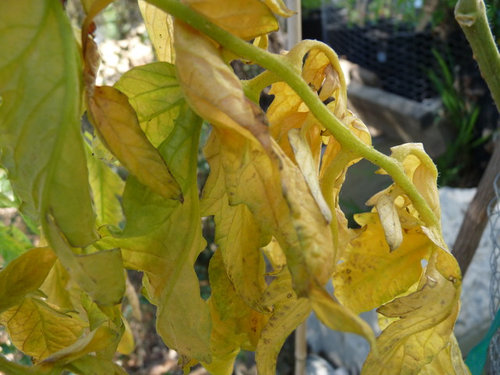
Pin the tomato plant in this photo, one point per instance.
(273, 190)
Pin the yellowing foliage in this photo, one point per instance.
(273, 191)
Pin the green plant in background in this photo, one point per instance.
(462, 115)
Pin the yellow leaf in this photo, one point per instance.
(235, 325)
(100, 274)
(423, 328)
(389, 219)
(117, 124)
(309, 170)
(370, 274)
(151, 243)
(338, 317)
(257, 173)
(38, 329)
(154, 93)
(288, 313)
(91, 364)
(24, 275)
(278, 7)
(127, 342)
(160, 29)
(94, 341)
(448, 361)
(236, 233)
(246, 19)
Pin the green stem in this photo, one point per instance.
(290, 74)
(471, 16)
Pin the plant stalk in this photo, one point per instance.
(291, 75)
(471, 16)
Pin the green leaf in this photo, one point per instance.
(24, 275)
(166, 252)
(107, 189)
(13, 242)
(155, 94)
(100, 274)
(41, 144)
(160, 29)
(39, 329)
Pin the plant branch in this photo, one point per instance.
(290, 74)
(471, 16)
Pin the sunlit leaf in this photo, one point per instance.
(38, 329)
(244, 18)
(278, 7)
(257, 173)
(154, 93)
(371, 275)
(160, 30)
(424, 326)
(305, 161)
(119, 128)
(448, 361)
(338, 317)
(24, 275)
(41, 144)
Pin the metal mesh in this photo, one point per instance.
(494, 219)
(398, 54)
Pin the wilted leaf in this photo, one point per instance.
(100, 274)
(338, 317)
(370, 274)
(154, 93)
(38, 329)
(236, 233)
(167, 252)
(24, 275)
(389, 219)
(448, 361)
(246, 19)
(41, 143)
(235, 325)
(288, 313)
(309, 170)
(94, 341)
(424, 326)
(278, 7)
(256, 172)
(160, 29)
(117, 124)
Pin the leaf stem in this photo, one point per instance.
(471, 16)
(289, 73)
